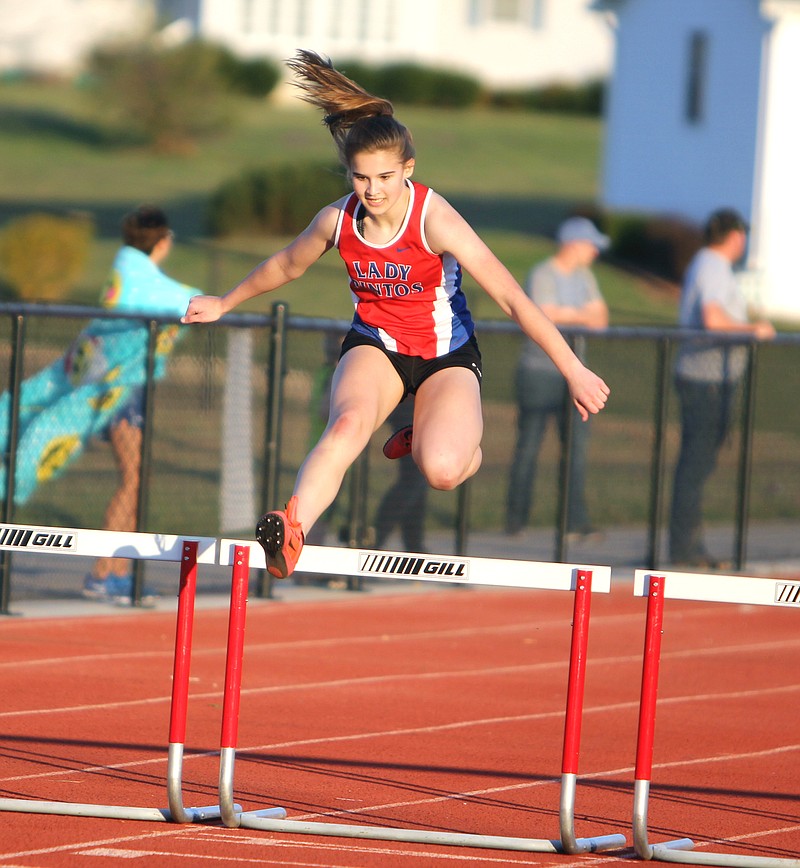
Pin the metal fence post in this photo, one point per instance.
(578, 344)
(146, 456)
(10, 458)
(462, 517)
(658, 460)
(745, 457)
(272, 434)
(357, 521)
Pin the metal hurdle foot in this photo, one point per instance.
(479, 571)
(686, 586)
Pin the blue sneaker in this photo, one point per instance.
(117, 590)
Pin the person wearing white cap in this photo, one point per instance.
(566, 290)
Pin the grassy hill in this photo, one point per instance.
(513, 175)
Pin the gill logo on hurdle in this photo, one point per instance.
(381, 564)
(787, 593)
(16, 536)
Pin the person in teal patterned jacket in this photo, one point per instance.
(97, 389)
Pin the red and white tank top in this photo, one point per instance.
(406, 296)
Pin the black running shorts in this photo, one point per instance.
(414, 370)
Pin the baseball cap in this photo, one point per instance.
(582, 229)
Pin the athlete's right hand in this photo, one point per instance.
(203, 308)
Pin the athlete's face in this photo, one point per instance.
(378, 179)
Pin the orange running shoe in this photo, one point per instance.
(281, 537)
(399, 444)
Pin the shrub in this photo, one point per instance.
(43, 256)
(167, 97)
(412, 84)
(277, 200)
(661, 244)
(418, 85)
(255, 77)
(585, 98)
(369, 77)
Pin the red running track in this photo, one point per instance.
(438, 710)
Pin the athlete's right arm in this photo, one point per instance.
(281, 268)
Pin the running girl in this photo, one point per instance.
(404, 248)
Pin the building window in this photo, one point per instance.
(475, 13)
(505, 10)
(363, 21)
(391, 22)
(270, 17)
(248, 16)
(697, 77)
(529, 13)
(301, 24)
(537, 14)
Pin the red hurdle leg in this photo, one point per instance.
(183, 644)
(572, 724)
(180, 692)
(231, 813)
(647, 723)
(233, 683)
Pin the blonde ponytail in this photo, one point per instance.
(357, 120)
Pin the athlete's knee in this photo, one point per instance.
(445, 471)
(348, 428)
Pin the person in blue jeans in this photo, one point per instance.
(567, 292)
(708, 377)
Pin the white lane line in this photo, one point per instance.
(598, 622)
(695, 653)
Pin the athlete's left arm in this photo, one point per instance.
(447, 231)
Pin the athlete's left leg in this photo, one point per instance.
(448, 426)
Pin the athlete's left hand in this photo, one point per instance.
(589, 392)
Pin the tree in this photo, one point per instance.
(166, 97)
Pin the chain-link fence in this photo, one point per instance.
(242, 401)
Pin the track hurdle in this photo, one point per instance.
(701, 587)
(96, 543)
(582, 580)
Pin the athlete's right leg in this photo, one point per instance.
(365, 389)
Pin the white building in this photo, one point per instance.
(54, 36)
(701, 114)
(504, 43)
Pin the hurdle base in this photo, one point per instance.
(666, 854)
(76, 809)
(198, 815)
(641, 799)
(231, 814)
(111, 812)
(409, 836)
(566, 816)
(595, 844)
(266, 813)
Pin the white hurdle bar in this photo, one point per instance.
(704, 587)
(88, 543)
(142, 546)
(360, 563)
